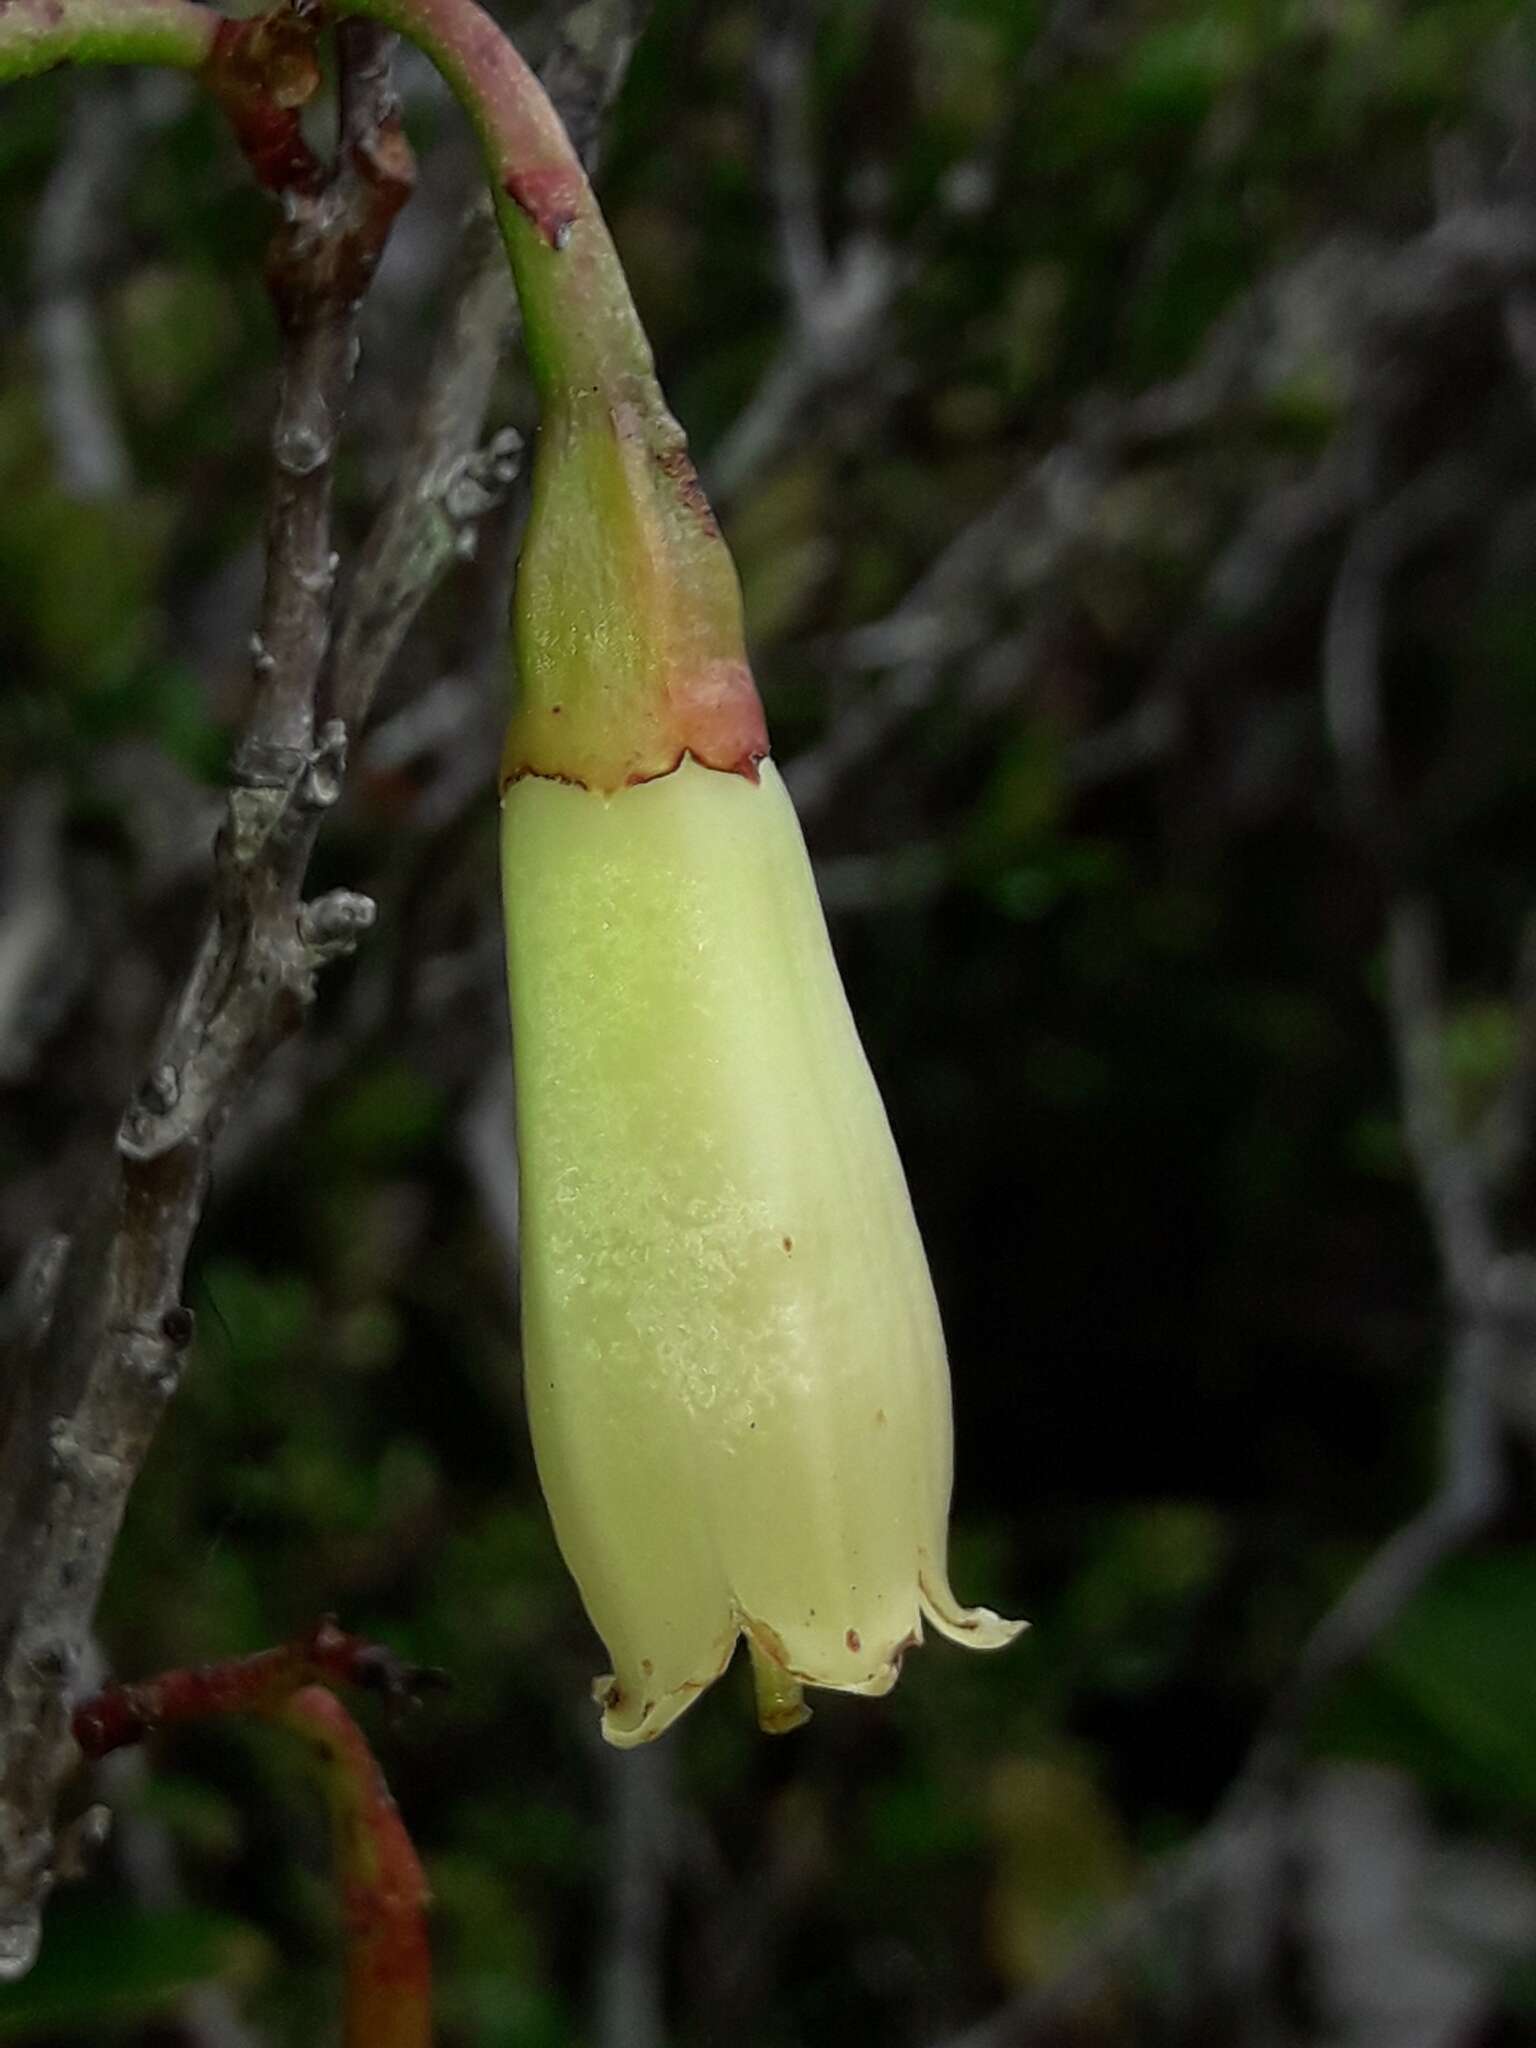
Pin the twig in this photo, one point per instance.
(838, 304)
(105, 1353)
(124, 1714)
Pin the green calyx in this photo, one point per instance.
(628, 616)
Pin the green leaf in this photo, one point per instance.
(1451, 1692)
(107, 1965)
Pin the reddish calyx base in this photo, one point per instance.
(713, 716)
(630, 643)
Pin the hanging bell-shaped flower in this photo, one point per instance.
(735, 1370)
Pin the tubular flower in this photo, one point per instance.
(735, 1370)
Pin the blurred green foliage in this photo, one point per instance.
(1128, 1022)
(107, 1968)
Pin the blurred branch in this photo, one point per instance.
(489, 1149)
(444, 483)
(1491, 1294)
(747, 1920)
(88, 444)
(1509, 1125)
(144, 1849)
(591, 43)
(841, 302)
(838, 304)
(93, 1374)
(631, 2002)
(1031, 528)
(783, 71)
(35, 968)
(1383, 311)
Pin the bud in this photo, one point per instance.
(736, 1376)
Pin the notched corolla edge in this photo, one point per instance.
(735, 1372)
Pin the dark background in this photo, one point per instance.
(1110, 407)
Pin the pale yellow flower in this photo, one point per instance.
(735, 1370)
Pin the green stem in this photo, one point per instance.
(37, 34)
(583, 336)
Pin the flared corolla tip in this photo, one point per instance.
(637, 1713)
(976, 1628)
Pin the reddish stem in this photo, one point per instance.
(581, 330)
(382, 1890)
(384, 1898)
(123, 1714)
